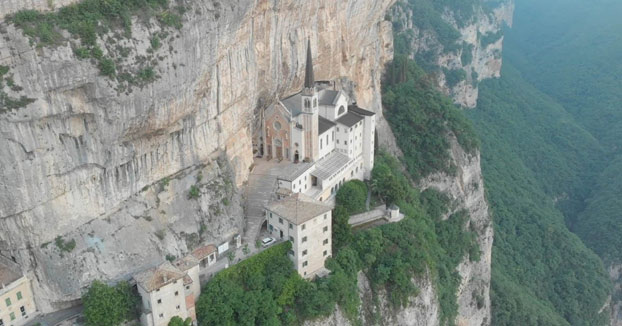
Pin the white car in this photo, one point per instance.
(267, 241)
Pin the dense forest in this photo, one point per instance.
(575, 59)
(550, 130)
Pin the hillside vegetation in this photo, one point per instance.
(542, 273)
(575, 60)
(266, 290)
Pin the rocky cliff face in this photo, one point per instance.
(98, 183)
(422, 310)
(481, 36)
(615, 273)
(466, 189)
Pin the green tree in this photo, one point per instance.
(342, 232)
(109, 306)
(352, 195)
(177, 321)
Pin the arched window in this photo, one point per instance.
(278, 142)
(315, 103)
(342, 110)
(307, 103)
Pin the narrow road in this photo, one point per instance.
(56, 317)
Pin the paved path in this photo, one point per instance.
(56, 317)
(260, 190)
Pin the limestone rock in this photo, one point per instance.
(486, 58)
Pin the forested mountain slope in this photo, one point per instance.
(542, 273)
(550, 131)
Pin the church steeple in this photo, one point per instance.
(309, 79)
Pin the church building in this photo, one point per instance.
(330, 139)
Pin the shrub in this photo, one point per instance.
(64, 246)
(194, 192)
(107, 67)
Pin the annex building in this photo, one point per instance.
(307, 224)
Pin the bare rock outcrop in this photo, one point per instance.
(481, 35)
(466, 189)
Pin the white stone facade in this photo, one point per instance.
(307, 224)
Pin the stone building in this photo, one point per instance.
(17, 305)
(169, 290)
(307, 224)
(330, 140)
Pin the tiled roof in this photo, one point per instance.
(292, 171)
(298, 208)
(186, 263)
(324, 124)
(202, 252)
(157, 277)
(354, 108)
(293, 103)
(8, 274)
(328, 97)
(349, 119)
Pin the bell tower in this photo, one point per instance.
(310, 109)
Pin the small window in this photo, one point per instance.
(12, 315)
(177, 307)
(326, 229)
(159, 301)
(341, 111)
(304, 239)
(300, 181)
(304, 252)
(161, 315)
(1, 322)
(337, 129)
(270, 214)
(280, 220)
(291, 226)
(277, 125)
(305, 263)
(8, 302)
(291, 252)
(337, 141)
(19, 295)
(325, 253)
(175, 282)
(157, 290)
(325, 217)
(22, 310)
(187, 287)
(345, 142)
(304, 227)
(325, 241)
(291, 238)
(176, 293)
